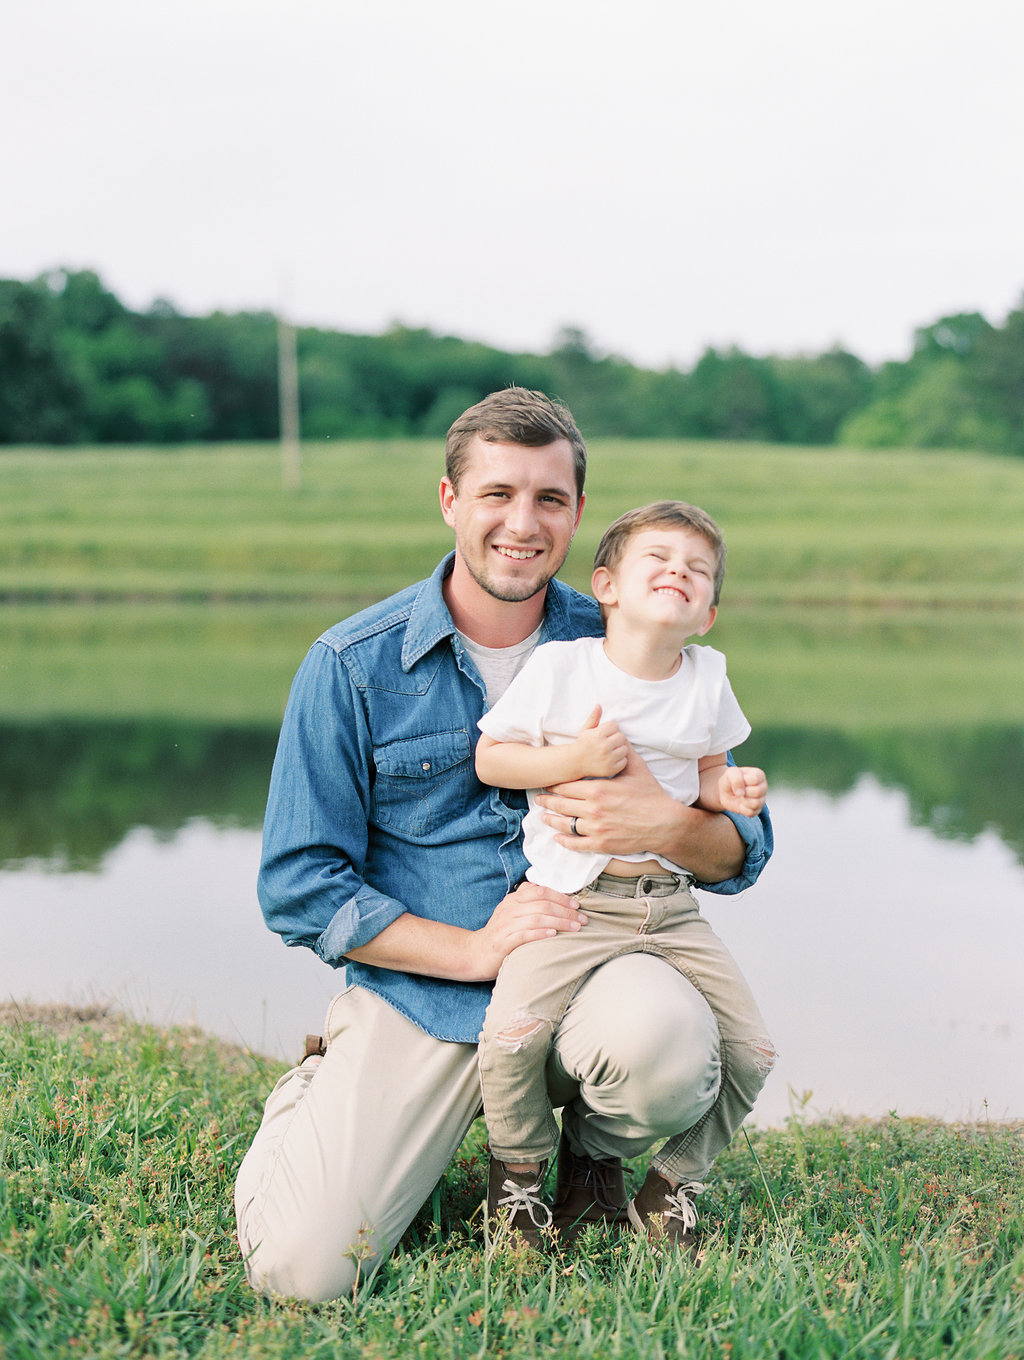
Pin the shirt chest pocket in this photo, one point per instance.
(423, 783)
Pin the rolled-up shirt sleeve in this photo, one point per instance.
(315, 834)
(758, 842)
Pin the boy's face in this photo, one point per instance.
(664, 582)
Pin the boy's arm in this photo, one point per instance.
(600, 750)
(731, 788)
(633, 812)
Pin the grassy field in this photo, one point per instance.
(804, 525)
(862, 587)
(120, 1144)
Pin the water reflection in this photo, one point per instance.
(959, 781)
(71, 792)
(885, 960)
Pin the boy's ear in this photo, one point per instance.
(601, 586)
(705, 626)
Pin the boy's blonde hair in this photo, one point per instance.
(662, 514)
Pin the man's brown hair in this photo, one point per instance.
(662, 514)
(515, 415)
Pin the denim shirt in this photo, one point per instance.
(375, 808)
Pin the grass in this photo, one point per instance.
(119, 1145)
(804, 525)
(863, 587)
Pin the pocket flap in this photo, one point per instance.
(423, 757)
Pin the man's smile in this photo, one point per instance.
(517, 554)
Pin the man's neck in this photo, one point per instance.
(639, 653)
(490, 622)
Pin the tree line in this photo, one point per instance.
(79, 367)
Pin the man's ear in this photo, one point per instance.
(602, 587)
(446, 493)
(705, 626)
(579, 511)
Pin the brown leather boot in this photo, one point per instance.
(315, 1047)
(587, 1190)
(515, 1208)
(666, 1213)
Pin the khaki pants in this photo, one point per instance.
(350, 1148)
(538, 981)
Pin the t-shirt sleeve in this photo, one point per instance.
(519, 713)
(731, 727)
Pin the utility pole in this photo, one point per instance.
(288, 395)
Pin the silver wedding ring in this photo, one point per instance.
(572, 827)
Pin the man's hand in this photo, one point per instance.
(632, 813)
(742, 789)
(613, 816)
(603, 750)
(529, 913)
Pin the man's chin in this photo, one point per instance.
(511, 591)
(515, 592)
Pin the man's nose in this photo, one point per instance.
(522, 518)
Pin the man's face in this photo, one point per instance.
(514, 515)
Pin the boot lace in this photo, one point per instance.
(679, 1204)
(600, 1177)
(525, 1199)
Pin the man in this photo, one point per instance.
(383, 853)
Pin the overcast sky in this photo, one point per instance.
(661, 173)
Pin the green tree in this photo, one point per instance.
(731, 395)
(815, 393)
(997, 370)
(933, 400)
(42, 394)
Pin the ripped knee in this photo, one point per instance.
(765, 1055)
(519, 1031)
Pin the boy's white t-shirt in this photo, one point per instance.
(671, 724)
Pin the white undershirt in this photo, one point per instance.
(498, 666)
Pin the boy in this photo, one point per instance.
(570, 714)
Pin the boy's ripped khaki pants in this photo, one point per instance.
(351, 1147)
(652, 915)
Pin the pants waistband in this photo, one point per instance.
(643, 885)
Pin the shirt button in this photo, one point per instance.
(426, 765)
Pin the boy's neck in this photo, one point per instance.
(639, 652)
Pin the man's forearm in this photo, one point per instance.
(706, 842)
(411, 944)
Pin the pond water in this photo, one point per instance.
(884, 940)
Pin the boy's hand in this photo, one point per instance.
(603, 750)
(743, 789)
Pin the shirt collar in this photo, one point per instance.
(430, 622)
